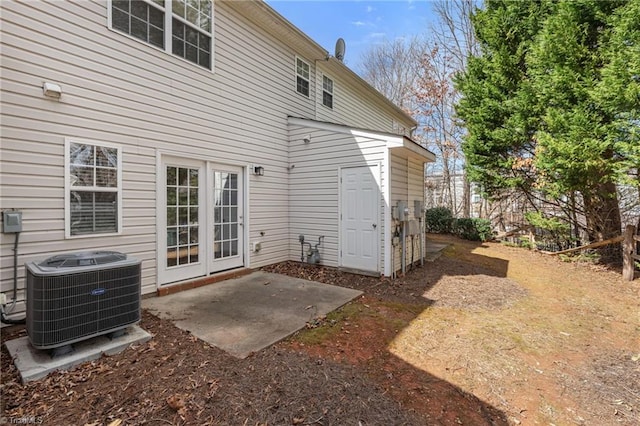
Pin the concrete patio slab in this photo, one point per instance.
(34, 364)
(246, 314)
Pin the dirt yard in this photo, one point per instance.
(485, 335)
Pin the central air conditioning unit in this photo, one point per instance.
(73, 297)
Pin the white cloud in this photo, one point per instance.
(359, 23)
(377, 35)
(370, 9)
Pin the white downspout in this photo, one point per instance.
(422, 242)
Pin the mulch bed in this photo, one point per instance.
(176, 378)
(460, 284)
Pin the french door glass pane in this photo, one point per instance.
(182, 216)
(225, 217)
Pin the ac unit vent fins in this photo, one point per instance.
(74, 297)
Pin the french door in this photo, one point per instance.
(226, 220)
(200, 217)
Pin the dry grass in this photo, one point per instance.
(486, 335)
(547, 342)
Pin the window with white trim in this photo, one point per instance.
(327, 92)
(302, 77)
(94, 184)
(188, 25)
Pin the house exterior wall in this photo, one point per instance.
(407, 184)
(415, 189)
(314, 185)
(118, 90)
(350, 106)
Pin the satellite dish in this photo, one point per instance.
(340, 49)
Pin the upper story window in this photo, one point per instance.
(327, 92)
(94, 185)
(140, 20)
(302, 77)
(181, 27)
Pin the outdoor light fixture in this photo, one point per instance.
(52, 90)
(258, 170)
(307, 139)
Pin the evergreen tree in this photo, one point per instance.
(550, 104)
(497, 96)
(618, 92)
(574, 152)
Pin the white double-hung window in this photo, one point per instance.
(180, 27)
(327, 92)
(93, 190)
(303, 75)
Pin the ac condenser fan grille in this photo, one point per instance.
(64, 308)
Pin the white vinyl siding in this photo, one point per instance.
(148, 101)
(399, 192)
(415, 191)
(119, 91)
(314, 185)
(352, 106)
(407, 184)
(40, 195)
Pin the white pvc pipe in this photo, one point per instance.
(404, 247)
(422, 242)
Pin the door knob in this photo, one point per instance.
(374, 225)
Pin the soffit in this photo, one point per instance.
(275, 24)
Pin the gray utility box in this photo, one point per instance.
(11, 221)
(76, 296)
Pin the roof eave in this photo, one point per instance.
(395, 143)
(270, 20)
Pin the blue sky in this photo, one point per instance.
(360, 23)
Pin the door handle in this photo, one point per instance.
(375, 225)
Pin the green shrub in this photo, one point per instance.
(438, 220)
(483, 228)
(473, 229)
(525, 242)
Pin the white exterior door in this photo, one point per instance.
(360, 201)
(200, 219)
(182, 219)
(226, 217)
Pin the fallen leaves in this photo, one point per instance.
(316, 322)
(176, 375)
(176, 402)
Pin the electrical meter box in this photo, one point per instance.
(418, 209)
(414, 227)
(11, 221)
(402, 211)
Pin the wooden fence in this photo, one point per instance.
(629, 253)
(630, 250)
